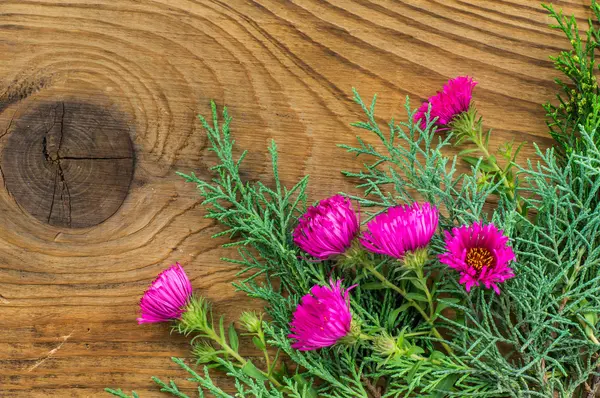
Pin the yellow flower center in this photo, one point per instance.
(479, 257)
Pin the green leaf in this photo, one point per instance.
(414, 350)
(468, 151)
(310, 391)
(416, 282)
(233, 338)
(443, 304)
(445, 385)
(416, 297)
(484, 165)
(372, 286)
(436, 355)
(413, 371)
(393, 315)
(222, 328)
(253, 371)
(258, 343)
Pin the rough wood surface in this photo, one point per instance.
(143, 69)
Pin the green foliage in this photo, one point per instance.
(538, 337)
(261, 218)
(412, 167)
(121, 394)
(578, 109)
(578, 100)
(416, 331)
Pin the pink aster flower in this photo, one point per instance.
(327, 229)
(401, 229)
(322, 318)
(454, 99)
(167, 296)
(481, 254)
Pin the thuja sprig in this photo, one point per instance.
(412, 299)
(578, 99)
(253, 212)
(578, 108)
(119, 393)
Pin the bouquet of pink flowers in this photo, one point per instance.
(425, 292)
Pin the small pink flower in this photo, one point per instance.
(455, 98)
(401, 229)
(167, 296)
(327, 229)
(322, 318)
(480, 253)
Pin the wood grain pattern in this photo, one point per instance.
(68, 297)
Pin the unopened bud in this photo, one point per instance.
(204, 353)
(385, 345)
(251, 321)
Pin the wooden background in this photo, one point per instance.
(144, 69)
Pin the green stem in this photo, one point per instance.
(402, 292)
(421, 276)
(213, 336)
(414, 334)
(261, 336)
(510, 190)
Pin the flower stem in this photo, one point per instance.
(261, 336)
(510, 190)
(386, 283)
(415, 334)
(470, 127)
(213, 336)
(421, 276)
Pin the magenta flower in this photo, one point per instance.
(167, 296)
(322, 318)
(401, 229)
(454, 99)
(480, 253)
(327, 229)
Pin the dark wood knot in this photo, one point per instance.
(69, 164)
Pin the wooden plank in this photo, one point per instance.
(143, 70)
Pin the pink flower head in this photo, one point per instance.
(480, 253)
(322, 318)
(401, 229)
(327, 229)
(166, 297)
(454, 99)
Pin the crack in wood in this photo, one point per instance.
(53, 196)
(10, 123)
(65, 188)
(59, 177)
